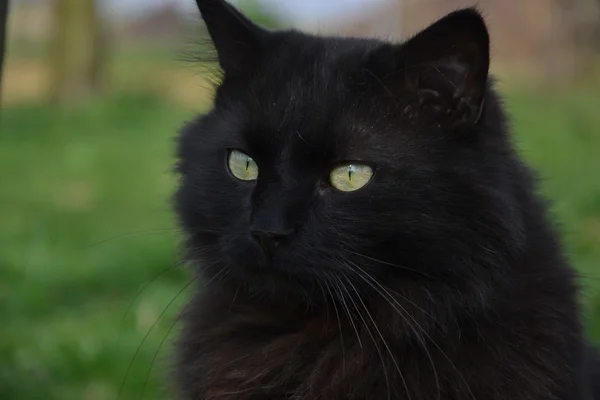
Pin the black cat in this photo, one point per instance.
(364, 229)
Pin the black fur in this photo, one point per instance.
(440, 279)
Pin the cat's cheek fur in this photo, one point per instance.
(442, 278)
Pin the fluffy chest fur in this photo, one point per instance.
(232, 351)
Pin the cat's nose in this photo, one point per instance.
(269, 239)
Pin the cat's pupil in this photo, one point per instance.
(247, 164)
(351, 170)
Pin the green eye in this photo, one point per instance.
(350, 177)
(242, 166)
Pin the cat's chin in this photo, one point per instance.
(251, 260)
(273, 271)
(273, 279)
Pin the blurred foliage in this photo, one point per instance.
(3, 19)
(85, 224)
(79, 50)
(259, 14)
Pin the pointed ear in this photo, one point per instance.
(445, 67)
(238, 40)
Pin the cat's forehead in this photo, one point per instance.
(305, 101)
(308, 84)
(300, 129)
(300, 111)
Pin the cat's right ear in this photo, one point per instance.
(238, 40)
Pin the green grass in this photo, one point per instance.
(85, 224)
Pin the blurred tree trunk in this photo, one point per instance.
(3, 23)
(78, 51)
(583, 17)
(587, 24)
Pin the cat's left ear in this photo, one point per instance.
(445, 67)
(238, 41)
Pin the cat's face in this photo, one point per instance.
(329, 159)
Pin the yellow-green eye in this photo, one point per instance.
(350, 177)
(242, 166)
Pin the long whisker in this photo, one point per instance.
(394, 292)
(150, 232)
(151, 280)
(164, 339)
(402, 315)
(382, 339)
(387, 380)
(337, 314)
(388, 263)
(348, 313)
(150, 331)
(390, 297)
(139, 292)
(162, 342)
(326, 304)
(138, 233)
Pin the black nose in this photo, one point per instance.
(268, 239)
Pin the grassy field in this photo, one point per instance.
(85, 225)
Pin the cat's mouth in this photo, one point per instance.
(296, 259)
(268, 254)
(270, 260)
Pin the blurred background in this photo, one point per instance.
(92, 96)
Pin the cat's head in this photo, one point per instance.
(326, 158)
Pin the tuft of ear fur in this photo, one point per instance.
(237, 40)
(444, 66)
